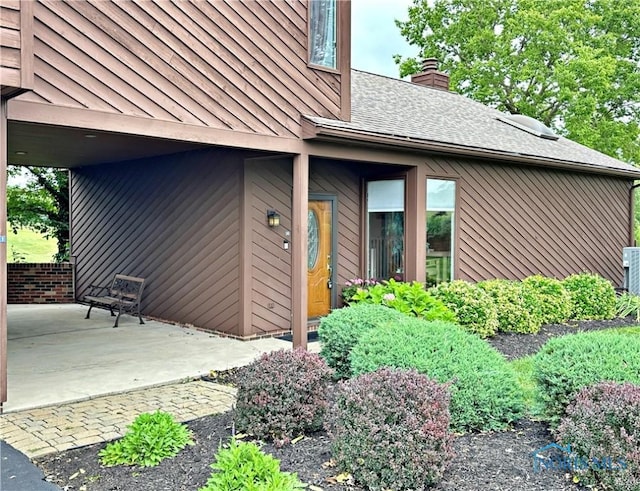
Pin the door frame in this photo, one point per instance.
(334, 243)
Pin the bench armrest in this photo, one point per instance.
(96, 290)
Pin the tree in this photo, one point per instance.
(572, 64)
(42, 204)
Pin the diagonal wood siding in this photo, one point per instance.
(234, 64)
(269, 184)
(173, 221)
(516, 221)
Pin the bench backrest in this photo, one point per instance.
(128, 287)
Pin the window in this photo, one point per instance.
(441, 206)
(322, 33)
(385, 226)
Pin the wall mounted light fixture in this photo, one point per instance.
(273, 218)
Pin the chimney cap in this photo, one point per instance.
(429, 64)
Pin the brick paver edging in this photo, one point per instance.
(51, 429)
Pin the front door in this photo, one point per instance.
(319, 258)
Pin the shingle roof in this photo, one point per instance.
(399, 109)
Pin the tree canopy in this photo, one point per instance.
(41, 204)
(572, 64)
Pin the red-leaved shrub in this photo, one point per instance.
(602, 425)
(391, 429)
(282, 394)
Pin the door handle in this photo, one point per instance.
(329, 284)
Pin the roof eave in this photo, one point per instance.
(314, 131)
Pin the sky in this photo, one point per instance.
(375, 37)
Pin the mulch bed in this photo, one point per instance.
(494, 461)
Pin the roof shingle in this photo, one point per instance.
(396, 108)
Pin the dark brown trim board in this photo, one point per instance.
(3, 251)
(299, 249)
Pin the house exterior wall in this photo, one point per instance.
(16, 46)
(515, 221)
(237, 65)
(268, 185)
(174, 221)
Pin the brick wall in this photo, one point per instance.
(39, 283)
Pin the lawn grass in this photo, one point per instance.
(524, 374)
(631, 330)
(29, 246)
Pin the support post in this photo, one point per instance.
(300, 210)
(416, 226)
(3, 252)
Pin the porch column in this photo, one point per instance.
(415, 226)
(3, 252)
(299, 238)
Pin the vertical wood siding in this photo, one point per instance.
(172, 220)
(270, 186)
(517, 221)
(237, 65)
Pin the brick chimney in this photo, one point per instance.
(430, 76)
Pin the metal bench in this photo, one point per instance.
(125, 294)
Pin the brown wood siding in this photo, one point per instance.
(269, 185)
(343, 180)
(237, 65)
(16, 45)
(516, 221)
(172, 220)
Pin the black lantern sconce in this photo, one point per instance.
(273, 218)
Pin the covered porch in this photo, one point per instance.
(55, 355)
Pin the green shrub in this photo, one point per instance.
(628, 304)
(282, 394)
(390, 429)
(339, 331)
(592, 296)
(515, 306)
(603, 422)
(473, 307)
(485, 394)
(243, 466)
(408, 298)
(566, 364)
(552, 302)
(151, 438)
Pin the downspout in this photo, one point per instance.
(632, 218)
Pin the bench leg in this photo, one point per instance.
(118, 317)
(89, 311)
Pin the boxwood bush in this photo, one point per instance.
(485, 394)
(552, 302)
(515, 304)
(603, 422)
(408, 298)
(592, 297)
(282, 394)
(390, 429)
(339, 331)
(566, 364)
(473, 307)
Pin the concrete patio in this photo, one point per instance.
(56, 356)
